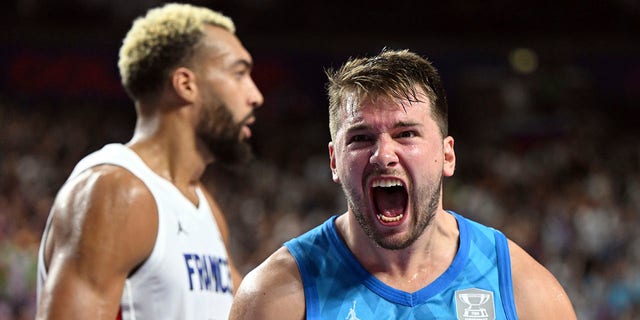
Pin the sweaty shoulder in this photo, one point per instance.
(105, 207)
(273, 290)
(537, 293)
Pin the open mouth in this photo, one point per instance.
(246, 132)
(245, 126)
(389, 198)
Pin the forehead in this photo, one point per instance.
(223, 46)
(381, 110)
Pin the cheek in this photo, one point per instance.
(423, 160)
(350, 165)
(237, 108)
(421, 154)
(227, 94)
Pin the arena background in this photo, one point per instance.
(544, 105)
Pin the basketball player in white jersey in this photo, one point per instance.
(133, 234)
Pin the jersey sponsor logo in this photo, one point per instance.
(475, 304)
(208, 273)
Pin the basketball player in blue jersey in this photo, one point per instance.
(396, 253)
(133, 234)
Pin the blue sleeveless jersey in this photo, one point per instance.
(476, 286)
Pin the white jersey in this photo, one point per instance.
(187, 275)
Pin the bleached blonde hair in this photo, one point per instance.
(160, 41)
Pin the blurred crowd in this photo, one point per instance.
(559, 174)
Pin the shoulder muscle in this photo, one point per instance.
(105, 216)
(537, 293)
(104, 224)
(271, 291)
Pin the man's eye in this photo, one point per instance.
(240, 73)
(359, 138)
(407, 134)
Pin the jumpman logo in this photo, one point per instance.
(352, 313)
(181, 229)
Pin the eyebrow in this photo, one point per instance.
(405, 124)
(243, 62)
(399, 124)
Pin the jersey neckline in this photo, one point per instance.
(399, 296)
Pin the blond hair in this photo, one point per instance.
(161, 40)
(393, 74)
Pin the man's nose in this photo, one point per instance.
(384, 154)
(255, 98)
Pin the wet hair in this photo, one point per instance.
(393, 74)
(160, 41)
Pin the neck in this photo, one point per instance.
(169, 149)
(411, 268)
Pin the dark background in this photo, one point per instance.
(550, 155)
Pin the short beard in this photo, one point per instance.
(424, 209)
(221, 136)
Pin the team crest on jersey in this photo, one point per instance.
(475, 304)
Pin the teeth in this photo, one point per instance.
(390, 219)
(386, 183)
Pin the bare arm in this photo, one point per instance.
(104, 225)
(271, 291)
(538, 295)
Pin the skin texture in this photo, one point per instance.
(105, 220)
(378, 139)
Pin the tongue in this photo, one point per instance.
(390, 202)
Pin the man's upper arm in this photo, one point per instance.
(104, 225)
(271, 291)
(537, 293)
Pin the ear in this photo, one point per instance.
(449, 166)
(332, 163)
(183, 81)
